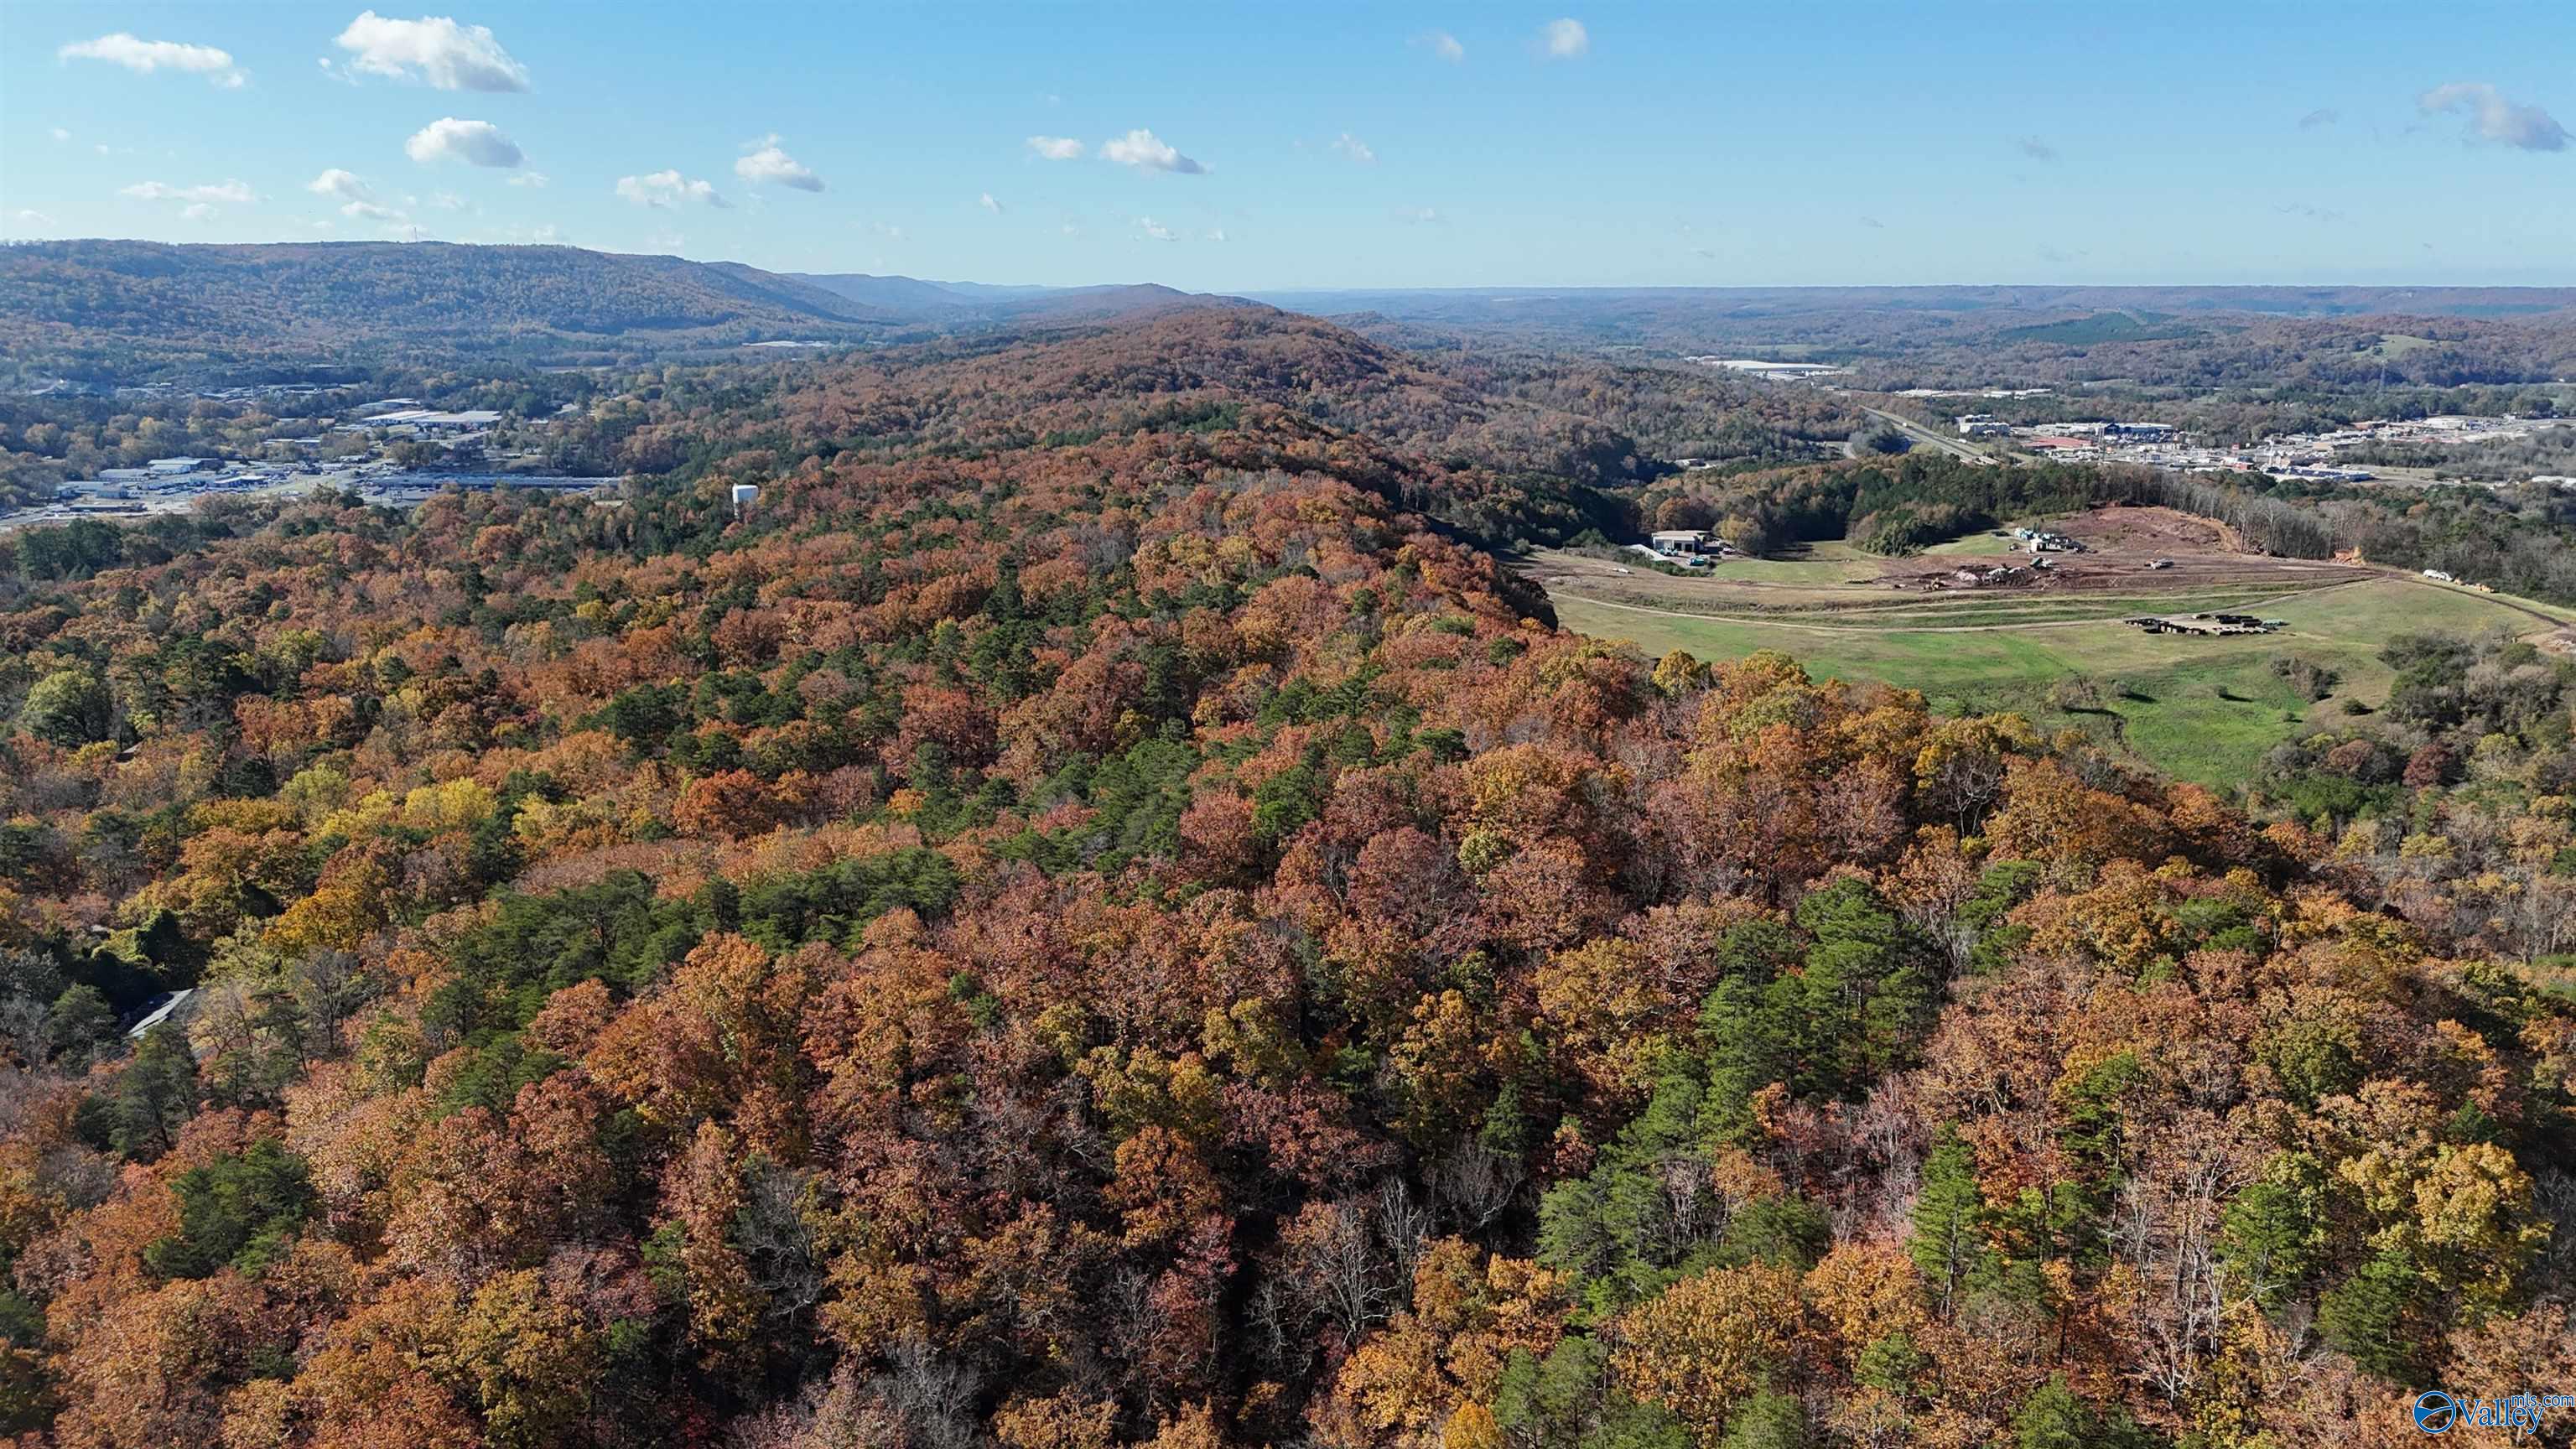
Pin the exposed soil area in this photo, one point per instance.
(2124, 548)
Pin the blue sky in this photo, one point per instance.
(1332, 145)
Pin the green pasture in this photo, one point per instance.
(2198, 709)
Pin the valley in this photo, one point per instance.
(2059, 649)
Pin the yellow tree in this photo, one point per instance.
(1702, 1346)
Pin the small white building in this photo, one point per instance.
(429, 420)
(1677, 540)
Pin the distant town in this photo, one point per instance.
(392, 451)
(2320, 456)
(2329, 456)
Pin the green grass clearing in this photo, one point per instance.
(2210, 707)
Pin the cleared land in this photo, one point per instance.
(2201, 709)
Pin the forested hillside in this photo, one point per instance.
(1095, 913)
(112, 307)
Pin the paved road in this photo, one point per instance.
(1774, 621)
(1930, 439)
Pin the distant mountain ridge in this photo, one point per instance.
(918, 301)
(116, 309)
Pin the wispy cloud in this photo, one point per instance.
(2036, 149)
(1355, 148)
(143, 57)
(1564, 40)
(2319, 118)
(664, 190)
(2494, 118)
(1146, 226)
(477, 143)
(1873, 223)
(25, 217)
(435, 49)
(1446, 46)
(1056, 148)
(987, 202)
(532, 180)
(234, 192)
(1216, 233)
(766, 163)
(1418, 215)
(1146, 151)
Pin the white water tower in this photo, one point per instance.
(743, 495)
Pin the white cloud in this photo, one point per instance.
(1216, 234)
(1147, 226)
(479, 143)
(987, 202)
(228, 190)
(30, 218)
(766, 162)
(371, 211)
(1446, 46)
(2497, 119)
(1355, 148)
(199, 211)
(1418, 215)
(1056, 148)
(666, 189)
(2037, 149)
(143, 57)
(449, 56)
(1146, 151)
(342, 184)
(533, 180)
(1564, 39)
(59, 134)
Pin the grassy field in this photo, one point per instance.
(2199, 709)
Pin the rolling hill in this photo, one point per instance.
(119, 310)
(109, 304)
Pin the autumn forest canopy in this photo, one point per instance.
(1100, 911)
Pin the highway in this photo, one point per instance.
(1928, 438)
